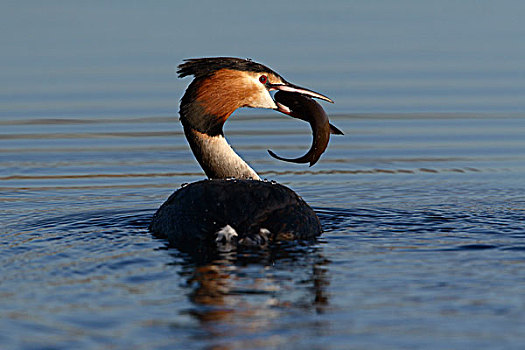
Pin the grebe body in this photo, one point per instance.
(234, 205)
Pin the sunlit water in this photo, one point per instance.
(422, 201)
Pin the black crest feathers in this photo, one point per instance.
(202, 67)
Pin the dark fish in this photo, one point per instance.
(305, 108)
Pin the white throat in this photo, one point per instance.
(217, 158)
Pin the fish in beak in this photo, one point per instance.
(298, 103)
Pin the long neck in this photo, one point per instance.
(204, 108)
(216, 157)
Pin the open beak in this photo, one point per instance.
(287, 87)
(306, 116)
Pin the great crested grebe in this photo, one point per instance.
(234, 205)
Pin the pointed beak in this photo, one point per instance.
(294, 88)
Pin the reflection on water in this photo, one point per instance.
(87, 261)
(76, 280)
(241, 294)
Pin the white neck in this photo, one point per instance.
(217, 158)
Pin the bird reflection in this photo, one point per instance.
(243, 292)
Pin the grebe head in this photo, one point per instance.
(223, 84)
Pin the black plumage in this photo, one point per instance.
(193, 215)
(203, 67)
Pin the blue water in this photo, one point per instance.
(422, 201)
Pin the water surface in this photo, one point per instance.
(422, 201)
(423, 244)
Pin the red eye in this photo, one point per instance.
(263, 79)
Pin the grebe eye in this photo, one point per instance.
(263, 79)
